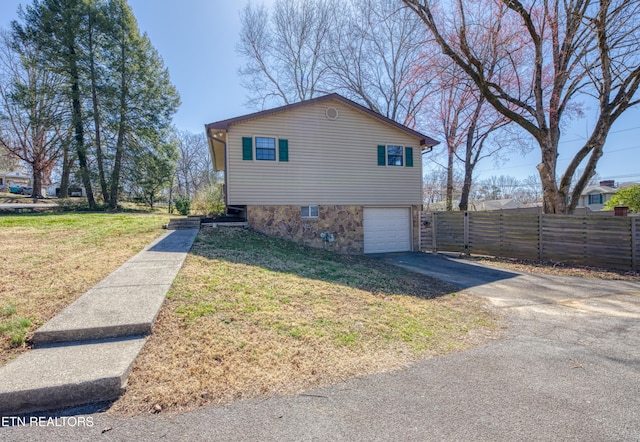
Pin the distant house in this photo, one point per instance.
(595, 197)
(503, 204)
(326, 172)
(12, 179)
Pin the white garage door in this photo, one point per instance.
(387, 230)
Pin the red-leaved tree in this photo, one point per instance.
(552, 57)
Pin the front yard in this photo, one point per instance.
(247, 316)
(254, 316)
(49, 260)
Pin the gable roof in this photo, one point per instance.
(15, 174)
(507, 203)
(224, 124)
(594, 190)
(606, 190)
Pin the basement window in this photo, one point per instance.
(309, 211)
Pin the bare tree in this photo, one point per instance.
(472, 129)
(367, 52)
(284, 50)
(33, 112)
(530, 190)
(375, 49)
(552, 55)
(193, 169)
(435, 185)
(8, 160)
(505, 185)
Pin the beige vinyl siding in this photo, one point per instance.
(330, 162)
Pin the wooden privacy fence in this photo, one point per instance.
(597, 241)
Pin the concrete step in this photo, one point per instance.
(73, 364)
(243, 224)
(127, 301)
(184, 223)
(69, 375)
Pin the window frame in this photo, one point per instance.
(265, 149)
(392, 159)
(310, 214)
(395, 155)
(599, 196)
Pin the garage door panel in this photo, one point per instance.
(387, 230)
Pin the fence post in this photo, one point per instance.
(434, 233)
(540, 236)
(501, 229)
(420, 214)
(466, 233)
(634, 243)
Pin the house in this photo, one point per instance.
(595, 197)
(12, 179)
(503, 204)
(325, 172)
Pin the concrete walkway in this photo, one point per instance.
(84, 354)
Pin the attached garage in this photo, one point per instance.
(387, 229)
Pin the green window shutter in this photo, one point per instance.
(283, 150)
(408, 153)
(382, 154)
(247, 148)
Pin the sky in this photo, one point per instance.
(197, 40)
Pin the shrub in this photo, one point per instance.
(209, 201)
(183, 205)
(629, 196)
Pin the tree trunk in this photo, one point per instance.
(67, 160)
(117, 164)
(79, 131)
(469, 160)
(468, 172)
(96, 116)
(552, 201)
(36, 188)
(450, 180)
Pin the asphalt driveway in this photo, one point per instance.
(567, 367)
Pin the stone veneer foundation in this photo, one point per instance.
(344, 222)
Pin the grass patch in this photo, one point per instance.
(254, 316)
(49, 260)
(13, 328)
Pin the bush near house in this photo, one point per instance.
(183, 205)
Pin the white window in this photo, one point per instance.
(309, 211)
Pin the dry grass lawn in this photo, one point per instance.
(253, 316)
(49, 260)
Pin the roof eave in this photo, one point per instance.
(425, 141)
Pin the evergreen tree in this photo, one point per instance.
(115, 79)
(145, 99)
(55, 27)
